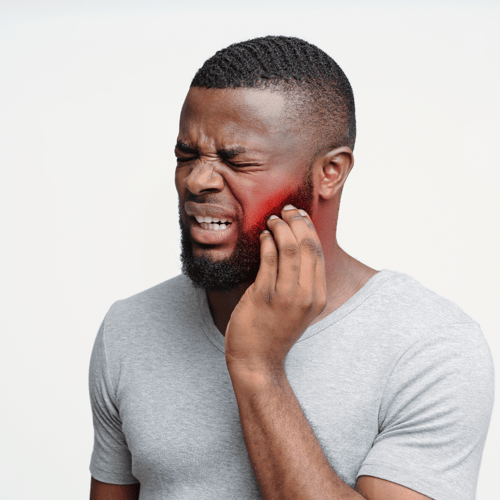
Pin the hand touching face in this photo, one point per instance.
(288, 293)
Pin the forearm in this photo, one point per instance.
(286, 456)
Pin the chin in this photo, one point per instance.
(224, 274)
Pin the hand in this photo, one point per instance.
(288, 293)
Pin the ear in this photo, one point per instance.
(334, 169)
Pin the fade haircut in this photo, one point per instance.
(320, 94)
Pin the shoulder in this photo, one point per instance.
(404, 320)
(167, 306)
(416, 310)
(166, 297)
(436, 340)
(158, 321)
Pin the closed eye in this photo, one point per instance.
(235, 165)
(240, 164)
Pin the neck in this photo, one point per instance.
(344, 277)
(222, 305)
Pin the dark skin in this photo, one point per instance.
(237, 153)
(304, 275)
(272, 164)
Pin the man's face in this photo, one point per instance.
(239, 159)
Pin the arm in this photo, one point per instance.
(111, 458)
(286, 457)
(105, 491)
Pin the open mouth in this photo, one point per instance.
(212, 223)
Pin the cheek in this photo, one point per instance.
(260, 208)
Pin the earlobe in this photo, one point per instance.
(335, 167)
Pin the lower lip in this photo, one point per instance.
(211, 236)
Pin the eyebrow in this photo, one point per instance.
(184, 148)
(226, 154)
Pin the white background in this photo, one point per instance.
(90, 94)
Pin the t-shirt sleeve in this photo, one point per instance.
(111, 460)
(434, 415)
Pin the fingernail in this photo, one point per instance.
(288, 207)
(273, 217)
(302, 212)
(266, 231)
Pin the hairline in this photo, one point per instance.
(291, 90)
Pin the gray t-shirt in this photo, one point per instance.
(397, 383)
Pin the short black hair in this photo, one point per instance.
(321, 91)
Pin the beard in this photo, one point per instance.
(243, 265)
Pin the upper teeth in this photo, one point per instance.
(209, 220)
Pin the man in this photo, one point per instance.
(278, 366)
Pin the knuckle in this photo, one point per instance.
(269, 297)
(290, 251)
(304, 298)
(307, 305)
(270, 258)
(287, 303)
(295, 217)
(321, 303)
(276, 221)
(309, 246)
(307, 298)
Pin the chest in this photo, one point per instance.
(181, 419)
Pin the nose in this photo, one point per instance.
(203, 178)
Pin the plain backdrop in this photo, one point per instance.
(90, 94)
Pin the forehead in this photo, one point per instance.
(242, 112)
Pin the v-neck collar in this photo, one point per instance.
(370, 287)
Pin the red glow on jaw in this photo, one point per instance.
(257, 221)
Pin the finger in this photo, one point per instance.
(265, 282)
(320, 271)
(308, 243)
(287, 281)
